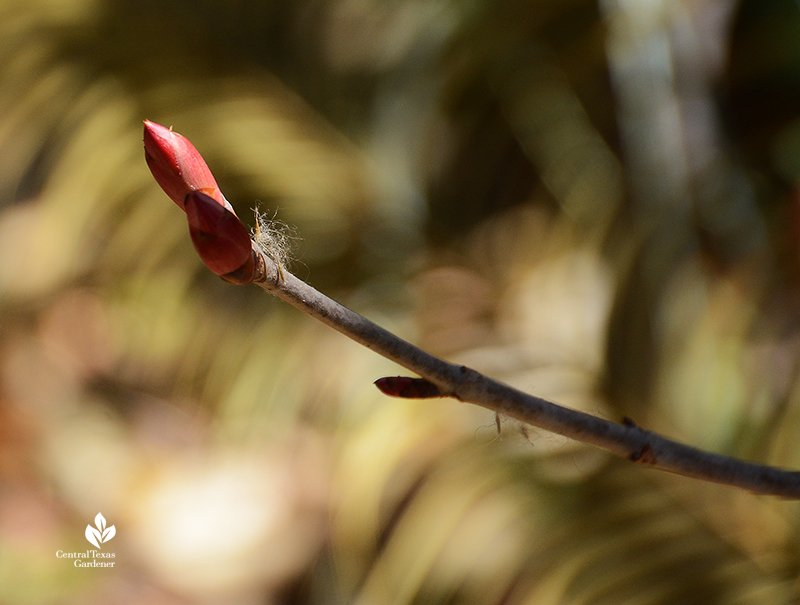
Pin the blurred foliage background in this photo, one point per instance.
(594, 201)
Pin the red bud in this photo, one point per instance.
(408, 388)
(177, 166)
(220, 238)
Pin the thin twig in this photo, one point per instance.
(627, 439)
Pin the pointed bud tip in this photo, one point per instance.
(154, 128)
(160, 145)
(177, 166)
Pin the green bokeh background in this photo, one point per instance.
(594, 201)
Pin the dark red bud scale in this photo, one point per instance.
(220, 238)
(408, 388)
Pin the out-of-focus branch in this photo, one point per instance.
(627, 439)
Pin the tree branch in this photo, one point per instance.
(225, 246)
(626, 440)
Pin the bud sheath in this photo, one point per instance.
(220, 238)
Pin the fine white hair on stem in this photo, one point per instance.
(274, 238)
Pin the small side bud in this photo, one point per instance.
(408, 388)
(220, 238)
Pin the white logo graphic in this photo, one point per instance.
(100, 534)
